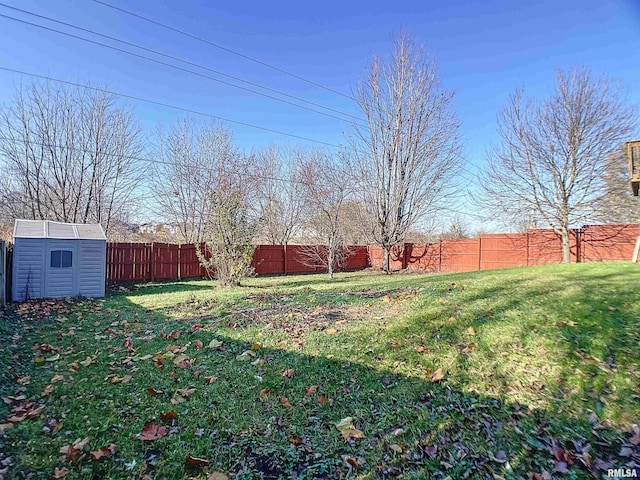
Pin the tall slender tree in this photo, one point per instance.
(407, 157)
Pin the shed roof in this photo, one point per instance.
(49, 229)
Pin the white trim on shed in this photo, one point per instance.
(57, 260)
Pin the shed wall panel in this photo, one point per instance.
(91, 268)
(28, 269)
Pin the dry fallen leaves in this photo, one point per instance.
(197, 462)
(348, 431)
(170, 415)
(73, 451)
(60, 472)
(104, 452)
(310, 390)
(437, 375)
(151, 431)
(217, 476)
(285, 402)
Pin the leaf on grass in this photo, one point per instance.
(295, 440)
(437, 375)
(174, 335)
(217, 476)
(395, 448)
(104, 452)
(153, 392)
(215, 344)
(73, 451)
(246, 356)
(53, 358)
(186, 392)
(182, 361)
(87, 361)
(170, 415)
(331, 331)
(310, 390)
(198, 344)
(471, 331)
(151, 431)
(285, 402)
(288, 373)
(420, 349)
(255, 346)
(60, 472)
(265, 391)
(197, 462)
(210, 380)
(323, 399)
(348, 431)
(57, 378)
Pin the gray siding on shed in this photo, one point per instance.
(35, 277)
(92, 267)
(28, 268)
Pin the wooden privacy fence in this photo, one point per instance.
(591, 243)
(143, 262)
(140, 262)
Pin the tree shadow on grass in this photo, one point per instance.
(271, 411)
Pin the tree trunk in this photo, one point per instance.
(386, 260)
(566, 245)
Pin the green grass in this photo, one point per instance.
(540, 364)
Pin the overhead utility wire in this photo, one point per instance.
(167, 105)
(178, 59)
(247, 57)
(176, 68)
(150, 160)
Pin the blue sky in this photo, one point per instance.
(485, 50)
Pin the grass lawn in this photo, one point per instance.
(522, 373)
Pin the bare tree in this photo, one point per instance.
(68, 154)
(551, 161)
(229, 232)
(408, 155)
(192, 157)
(281, 199)
(327, 190)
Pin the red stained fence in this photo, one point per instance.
(135, 262)
(143, 262)
(590, 243)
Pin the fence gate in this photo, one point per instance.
(3, 273)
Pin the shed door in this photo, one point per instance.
(61, 262)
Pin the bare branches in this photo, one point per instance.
(281, 198)
(408, 156)
(326, 189)
(68, 155)
(551, 162)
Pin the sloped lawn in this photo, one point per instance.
(523, 373)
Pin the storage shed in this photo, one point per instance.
(57, 260)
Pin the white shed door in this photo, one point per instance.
(60, 269)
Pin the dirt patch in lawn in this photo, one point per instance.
(291, 316)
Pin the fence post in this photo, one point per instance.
(152, 262)
(285, 268)
(3, 274)
(179, 262)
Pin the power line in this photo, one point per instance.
(148, 160)
(200, 39)
(167, 105)
(181, 60)
(174, 67)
